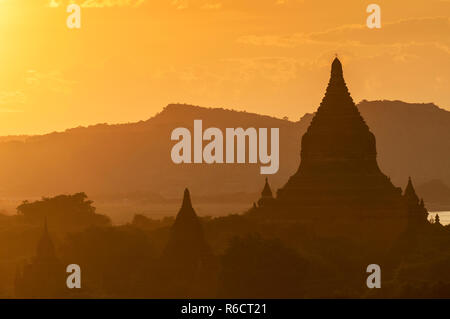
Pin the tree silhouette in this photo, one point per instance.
(64, 213)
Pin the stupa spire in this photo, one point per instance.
(186, 211)
(418, 214)
(410, 192)
(338, 130)
(187, 204)
(186, 241)
(266, 195)
(267, 192)
(336, 68)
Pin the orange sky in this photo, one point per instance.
(132, 57)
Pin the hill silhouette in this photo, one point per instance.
(126, 160)
(411, 138)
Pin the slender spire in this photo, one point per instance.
(337, 100)
(186, 211)
(418, 214)
(267, 192)
(186, 241)
(186, 199)
(410, 191)
(266, 195)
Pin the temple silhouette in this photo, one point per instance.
(186, 244)
(266, 195)
(43, 276)
(187, 262)
(417, 213)
(339, 189)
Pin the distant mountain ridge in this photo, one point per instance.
(412, 140)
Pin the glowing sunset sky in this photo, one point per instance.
(132, 57)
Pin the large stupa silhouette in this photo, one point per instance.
(338, 156)
(338, 186)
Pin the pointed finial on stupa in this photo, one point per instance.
(186, 210)
(409, 185)
(410, 191)
(267, 191)
(336, 67)
(186, 199)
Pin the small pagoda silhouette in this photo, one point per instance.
(417, 213)
(44, 276)
(188, 265)
(266, 195)
(186, 243)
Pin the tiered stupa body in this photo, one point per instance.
(339, 179)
